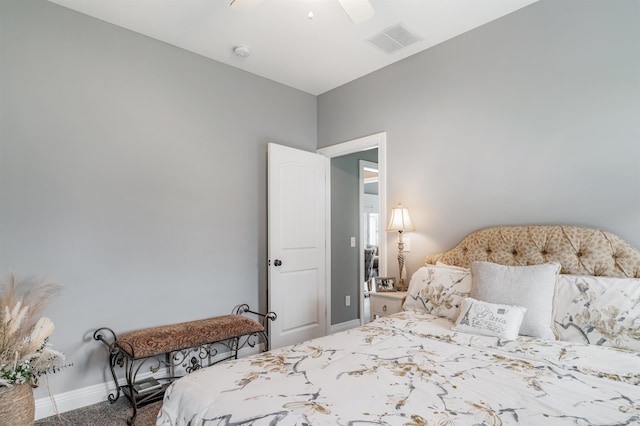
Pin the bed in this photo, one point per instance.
(471, 346)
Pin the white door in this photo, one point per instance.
(297, 267)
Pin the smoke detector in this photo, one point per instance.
(242, 51)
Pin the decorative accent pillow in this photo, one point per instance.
(598, 310)
(532, 287)
(490, 319)
(438, 291)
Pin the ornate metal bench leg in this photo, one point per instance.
(265, 339)
(113, 360)
(235, 346)
(269, 316)
(132, 367)
(115, 356)
(131, 420)
(171, 369)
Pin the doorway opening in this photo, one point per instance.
(341, 315)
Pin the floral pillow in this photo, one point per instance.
(441, 264)
(598, 310)
(438, 291)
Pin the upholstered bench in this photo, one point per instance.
(185, 345)
(169, 338)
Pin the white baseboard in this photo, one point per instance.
(71, 400)
(348, 325)
(78, 398)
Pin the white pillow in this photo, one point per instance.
(438, 291)
(490, 319)
(598, 310)
(529, 286)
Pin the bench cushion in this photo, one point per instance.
(168, 338)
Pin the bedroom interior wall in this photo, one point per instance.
(133, 173)
(345, 211)
(530, 119)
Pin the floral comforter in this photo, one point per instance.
(411, 369)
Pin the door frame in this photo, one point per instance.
(376, 140)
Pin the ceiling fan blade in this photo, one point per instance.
(244, 4)
(358, 10)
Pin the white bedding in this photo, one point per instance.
(411, 369)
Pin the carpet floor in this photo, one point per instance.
(104, 414)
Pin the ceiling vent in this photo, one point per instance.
(394, 38)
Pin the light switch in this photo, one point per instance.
(353, 241)
(407, 244)
(347, 301)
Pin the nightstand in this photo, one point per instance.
(383, 304)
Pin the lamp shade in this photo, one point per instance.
(400, 220)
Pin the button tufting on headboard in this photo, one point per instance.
(580, 250)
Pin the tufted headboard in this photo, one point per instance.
(580, 250)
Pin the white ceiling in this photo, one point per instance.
(313, 55)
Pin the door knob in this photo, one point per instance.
(277, 262)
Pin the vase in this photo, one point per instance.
(17, 406)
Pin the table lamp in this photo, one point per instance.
(401, 222)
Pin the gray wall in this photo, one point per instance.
(345, 213)
(132, 173)
(530, 119)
